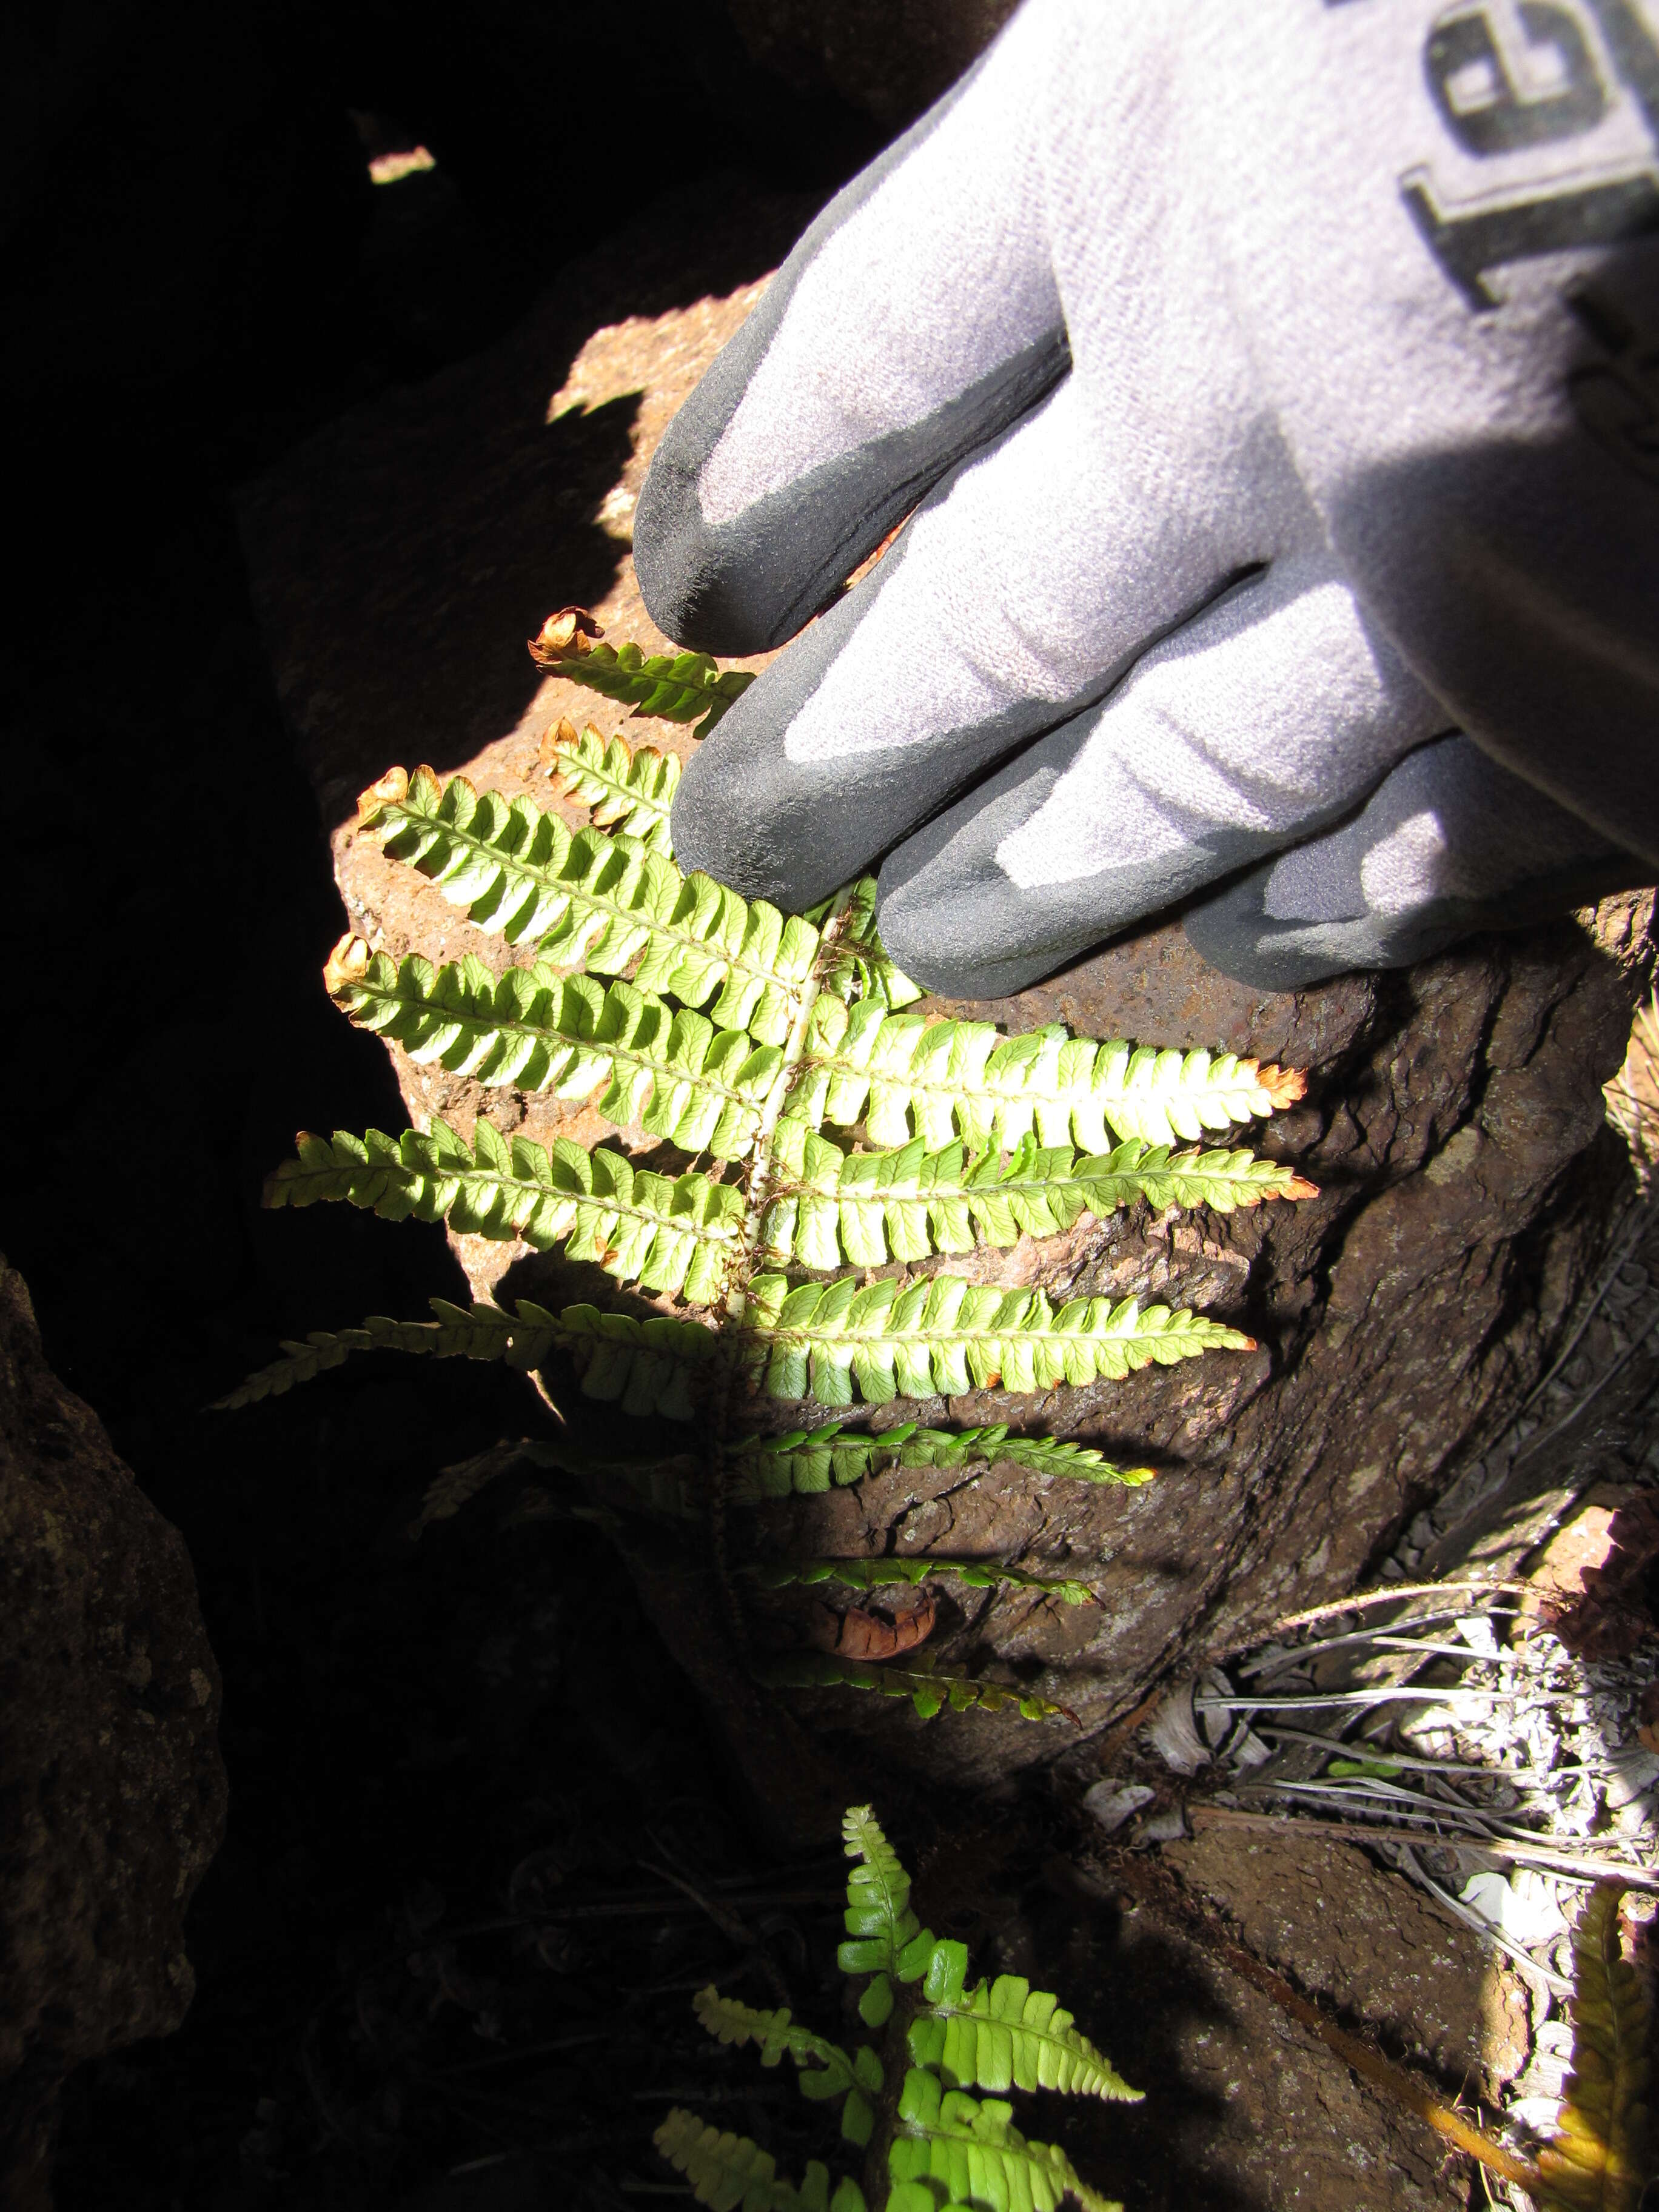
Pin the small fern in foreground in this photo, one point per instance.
(1600, 2158)
(822, 1129)
(908, 2100)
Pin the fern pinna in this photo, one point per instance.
(907, 2101)
(824, 1131)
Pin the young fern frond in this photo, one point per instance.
(866, 1208)
(627, 790)
(835, 1341)
(679, 687)
(676, 1234)
(673, 1073)
(809, 1462)
(1598, 2158)
(596, 900)
(938, 2148)
(646, 1366)
(885, 1573)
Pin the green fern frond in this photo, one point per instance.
(670, 1234)
(628, 788)
(1598, 2158)
(833, 1207)
(834, 1340)
(673, 1073)
(646, 1366)
(731, 2174)
(807, 1461)
(928, 1692)
(597, 901)
(884, 1573)
(677, 687)
(965, 1079)
(1006, 2035)
(972, 2147)
(885, 1935)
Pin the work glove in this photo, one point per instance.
(1267, 386)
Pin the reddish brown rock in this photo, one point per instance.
(111, 1790)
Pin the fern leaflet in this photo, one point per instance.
(928, 1692)
(627, 790)
(833, 1207)
(646, 1366)
(1007, 2035)
(674, 1235)
(963, 1079)
(728, 2172)
(810, 1461)
(883, 1573)
(944, 1335)
(679, 687)
(973, 2148)
(673, 1073)
(598, 902)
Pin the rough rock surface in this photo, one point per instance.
(112, 1791)
(1454, 1119)
(1247, 2107)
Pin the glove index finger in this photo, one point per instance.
(916, 318)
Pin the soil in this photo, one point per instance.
(437, 1962)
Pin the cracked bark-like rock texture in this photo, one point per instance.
(112, 1791)
(1454, 1119)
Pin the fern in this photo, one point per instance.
(870, 1207)
(646, 1366)
(885, 1573)
(963, 1079)
(630, 791)
(927, 2141)
(808, 1460)
(680, 687)
(1599, 2160)
(673, 1073)
(674, 1235)
(597, 901)
(836, 1341)
(819, 1128)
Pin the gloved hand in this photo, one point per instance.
(1226, 356)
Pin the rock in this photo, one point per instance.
(1453, 1120)
(111, 1790)
(890, 58)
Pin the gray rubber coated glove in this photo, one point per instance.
(1268, 388)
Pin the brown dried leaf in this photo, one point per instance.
(857, 1633)
(555, 738)
(392, 790)
(565, 636)
(346, 964)
(1284, 1086)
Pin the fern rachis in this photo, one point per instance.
(820, 1128)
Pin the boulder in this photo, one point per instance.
(111, 1790)
(1454, 1119)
